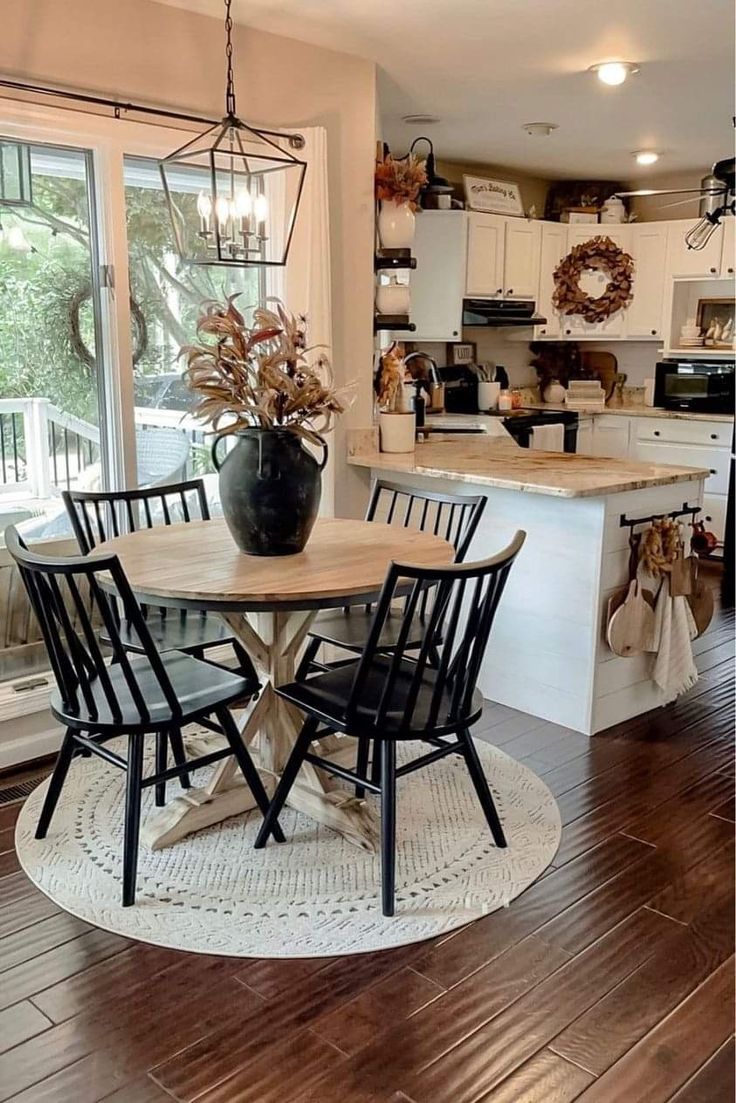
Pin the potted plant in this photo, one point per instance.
(398, 183)
(257, 383)
(397, 420)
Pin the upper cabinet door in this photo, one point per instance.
(438, 282)
(521, 260)
(485, 256)
(695, 263)
(594, 283)
(553, 249)
(649, 249)
(728, 260)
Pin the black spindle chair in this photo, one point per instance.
(381, 699)
(452, 516)
(150, 693)
(97, 516)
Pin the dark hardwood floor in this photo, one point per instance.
(610, 979)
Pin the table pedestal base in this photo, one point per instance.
(269, 726)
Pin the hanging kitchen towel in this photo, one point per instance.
(674, 669)
(548, 438)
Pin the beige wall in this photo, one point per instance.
(533, 188)
(150, 52)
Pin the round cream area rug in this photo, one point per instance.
(314, 895)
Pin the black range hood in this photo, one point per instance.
(500, 312)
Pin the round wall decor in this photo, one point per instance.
(606, 256)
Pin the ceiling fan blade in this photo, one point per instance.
(679, 202)
(644, 192)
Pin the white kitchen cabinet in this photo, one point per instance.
(438, 282)
(553, 247)
(594, 283)
(611, 436)
(521, 258)
(695, 263)
(728, 259)
(691, 443)
(645, 313)
(584, 440)
(486, 242)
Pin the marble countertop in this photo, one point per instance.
(489, 461)
(636, 411)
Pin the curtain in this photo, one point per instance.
(306, 282)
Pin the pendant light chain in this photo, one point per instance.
(230, 86)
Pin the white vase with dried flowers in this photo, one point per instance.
(256, 382)
(397, 424)
(398, 183)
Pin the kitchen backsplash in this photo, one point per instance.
(635, 358)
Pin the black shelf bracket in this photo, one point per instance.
(381, 262)
(393, 321)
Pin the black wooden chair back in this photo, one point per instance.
(97, 516)
(69, 602)
(453, 517)
(425, 694)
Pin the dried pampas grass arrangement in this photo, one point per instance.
(259, 375)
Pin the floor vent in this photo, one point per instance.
(19, 791)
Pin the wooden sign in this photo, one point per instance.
(492, 196)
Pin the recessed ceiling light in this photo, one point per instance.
(542, 130)
(421, 120)
(646, 157)
(613, 72)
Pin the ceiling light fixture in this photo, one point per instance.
(613, 72)
(646, 157)
(539, 130)
(232, 193)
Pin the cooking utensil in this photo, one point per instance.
(631, 626)
(680, 573)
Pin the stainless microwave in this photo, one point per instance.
(702, 386)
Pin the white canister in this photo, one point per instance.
(396, 224)
(613, 211)
(488, 395)
(398, 432)
(554, 392)
(393, 297)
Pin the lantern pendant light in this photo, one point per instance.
(232, 192)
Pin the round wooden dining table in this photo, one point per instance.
(268, 604)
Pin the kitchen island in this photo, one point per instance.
(548, 654)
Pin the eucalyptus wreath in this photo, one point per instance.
(606, 256)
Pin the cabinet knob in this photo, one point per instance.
(656, 432)
(713, 270)
(714, 436)
(654, 333)
(510, 291)
(499, 291)
(730, 271)
(712, 470)
(454, 333)
(568, 331)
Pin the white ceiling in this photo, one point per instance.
(487, 66)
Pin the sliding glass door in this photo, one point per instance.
(51, 376)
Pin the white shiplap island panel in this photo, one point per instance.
(548, 655)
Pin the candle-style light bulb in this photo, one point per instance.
(204, 210)
(260, 209)
(243, 206)
(222, 210)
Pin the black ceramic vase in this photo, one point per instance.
(270, 487)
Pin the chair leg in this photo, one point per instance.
(376, 763)
(247, 767)
(180, 757)
(288, 777)
(162, 761)
(61, 769)
(307, 658)
(388, 824)
(131, 834)
(361, 763)
(481, 787)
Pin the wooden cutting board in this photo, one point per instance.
(630, 628)
(700, 598)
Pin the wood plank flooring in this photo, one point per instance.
(608, 981)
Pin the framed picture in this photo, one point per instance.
(460, 352)
(716, 320)
(492, 196)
